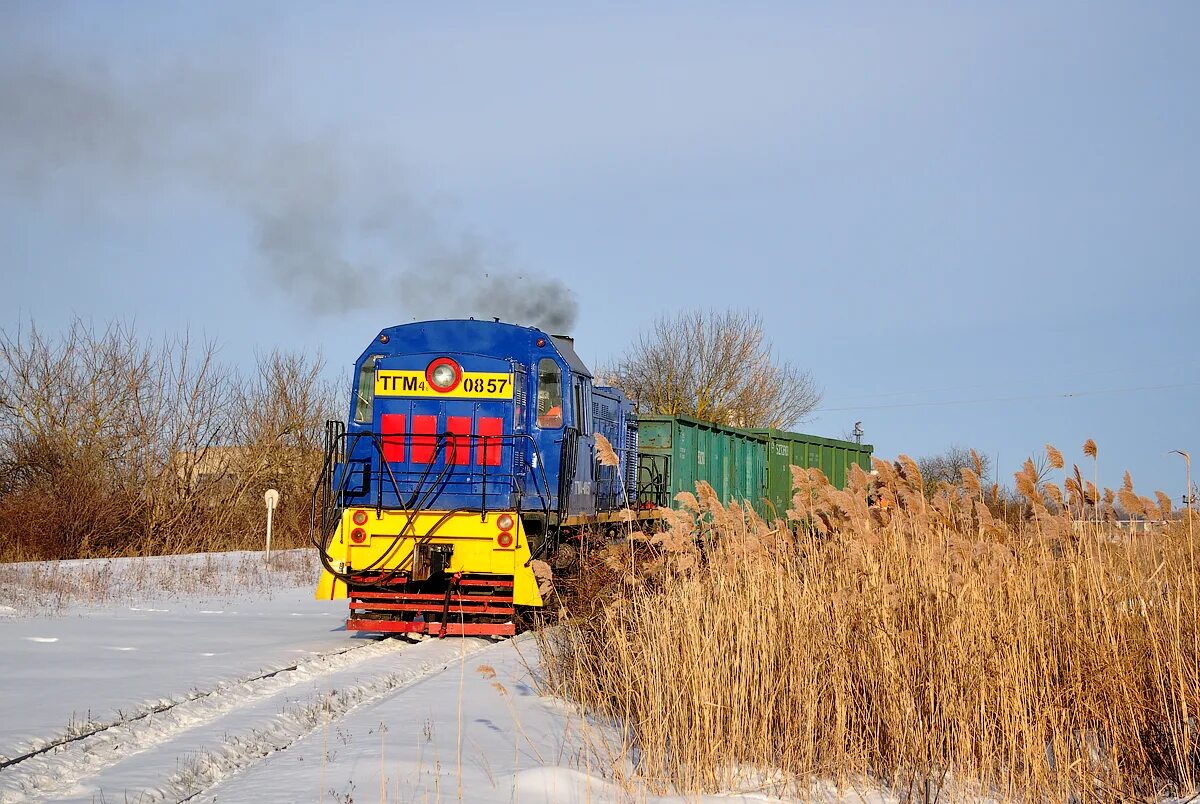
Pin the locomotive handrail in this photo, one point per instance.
(654, 489)
(566, 477)
(333, 439)
(417, 498)
(322, 487)
(348, 442)
(471, 440)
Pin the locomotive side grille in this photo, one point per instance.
(519, 391)
(603, 411)
(519, 397)
(631, 458)
(518, 463)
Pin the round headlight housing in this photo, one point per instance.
(443, 375)
(504, 522)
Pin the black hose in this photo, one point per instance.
(422, 501)
(421, 496)
(405, 507)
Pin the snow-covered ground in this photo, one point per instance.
(477, 732)
(215, 678)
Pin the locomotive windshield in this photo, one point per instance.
(364, 400)
(549, 394)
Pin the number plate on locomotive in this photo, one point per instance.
(473, 385)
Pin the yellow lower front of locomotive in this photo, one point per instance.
(480, 547)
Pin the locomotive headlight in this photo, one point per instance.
(443, 374)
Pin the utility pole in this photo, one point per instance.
(1188, 497)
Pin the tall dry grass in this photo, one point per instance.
(929, 645)
(114, 445)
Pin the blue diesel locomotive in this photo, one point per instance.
(469, 450)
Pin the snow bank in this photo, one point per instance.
(40, 588)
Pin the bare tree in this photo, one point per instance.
(715, 366)
(947, 467)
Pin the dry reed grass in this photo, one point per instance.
(935, 646)
(605, 453)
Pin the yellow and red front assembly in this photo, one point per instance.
(430, 573)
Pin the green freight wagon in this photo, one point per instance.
(675, 452)
(831, 456)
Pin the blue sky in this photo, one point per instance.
(953, 215)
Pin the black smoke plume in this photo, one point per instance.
(336, 226)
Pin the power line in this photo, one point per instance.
(843, 398)
(1066, 395)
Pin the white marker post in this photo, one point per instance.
(271, 498)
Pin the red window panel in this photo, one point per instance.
(460, 426)
(489, 427)
(424, 438)
(394, 427)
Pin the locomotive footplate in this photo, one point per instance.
(468, 607)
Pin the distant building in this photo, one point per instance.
(211, 465)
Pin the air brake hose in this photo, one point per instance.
(450, 587)
(404, 507)
(421, 500)
(421, 495)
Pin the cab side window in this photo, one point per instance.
(364, 397)
(549, 394)
(583, 413)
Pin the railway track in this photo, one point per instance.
(92, 729)
(176, 749)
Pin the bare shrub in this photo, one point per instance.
(114, 445)
(282, 412)
(715, 366)
(927, 645)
